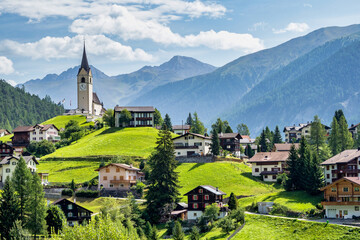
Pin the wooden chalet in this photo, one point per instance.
(5, 150)
(75, 214)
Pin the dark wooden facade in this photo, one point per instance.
(230, 142)
(344, 169)
(21, 139)
(201, 197)
(73, 212)
(6, 150)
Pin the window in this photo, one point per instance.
(228, 146)
(256, 170)
(206, 197)
(345, 189)
(34, 138)
(345, 199)
(179, 153)
(328, 168)
(70, 206)
(195, 205)
(41, 138)
(345, 212)
(265, 176)
(356, 189)
(111, 185)
(134, 177)
(199, 144)
(265, 169)
(195, 214)
(13, 163)
(206, 204)
(8, 170)
(114, 177)
(201, 190)
(82, 79)
(195, 197)
(327, 176)
(117, 169)
(332, 167)
(333, 189)
(70, 214)
(107, 170)
(356, 208)
(274, 177)
(105, 178)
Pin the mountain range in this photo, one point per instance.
(284, 85)
(120, 89)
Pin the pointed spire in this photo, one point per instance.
(84, 61)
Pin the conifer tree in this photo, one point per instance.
(9, 209)
(54, 219)
(21, 179)
(148, 229)
(178, 233)
(197, 125)
(293, 166)
(315, 178)
(189, 120)
(277, 136)
(317, 134)
(157, 118)
(194, 234)
(228, 129)
(154, 235)
(304, 164)
(219, 126)
(163, 180)
(215, 143)
(334, 137)
(338, 114)
(233, 203)
(269, 135)
(167, 125)
(36, 207)
(263, 142)
(357, 137)
(249, 151)
(345, 138)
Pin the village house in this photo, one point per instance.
(118, 176)
(5, 150)
(269, 164)
(342, 198)
(284, 147)
(191, 144)
(296, 132)
(344, 164)
(4, 132)
(201, 197)
(230, 142)
(180, 211)
(74, 213)
(8, 165)
(141, 116)
(353, 130)
(23, 135)
(181, 129)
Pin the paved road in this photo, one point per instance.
(343, 222)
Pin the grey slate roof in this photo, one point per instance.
(7, 159)
(193, 134)
(135, 109)
(181, 127)
(343, 157)
(84, 62)
(96, 98)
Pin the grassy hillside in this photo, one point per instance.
(65, 171)
(6, 138)
(268, 228)
(115, 141)
(228, 176)
(62, 120)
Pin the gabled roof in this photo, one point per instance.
(84, 62)
(210, 188)
(120, 165)
(343, 157)
(193, 134)
(181, 127)
(301, 126)
(353, 127)
(6, 160)
(135, 109)
(4, 131)
(355, 180)
(68, 201)
(31, 128)
(96, 99)
(46, 126)
(285, 146)
(230, 135)
(269, 157)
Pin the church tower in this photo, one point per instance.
(85, 86)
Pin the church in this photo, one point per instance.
(88, 101)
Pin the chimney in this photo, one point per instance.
(358, 148)
(74, 200)
(131, 165)
(217, 188)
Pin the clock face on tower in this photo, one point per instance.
(82, 87)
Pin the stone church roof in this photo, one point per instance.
(84, 62)
(96, 99)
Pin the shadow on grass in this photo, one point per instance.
(220, 236)
(110, 130)
(195, 166)
(297, 197)
(257, 179)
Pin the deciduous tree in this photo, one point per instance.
(178, 233)
(109, 117)
(125, 118)
(157, 118)
(243, 129)
(198, 126)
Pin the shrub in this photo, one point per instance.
(252, 208)
(87, 194)
(67, 192)
(283, 211)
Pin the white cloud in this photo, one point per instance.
(11, 82)
(307, 5)
(52, 47)
(258, 26)
(6, 65)
(293, 27)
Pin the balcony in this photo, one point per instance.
(328, 203)
(122, 181)
(341, 171)
(186, 147)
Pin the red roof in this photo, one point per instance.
(121, 165)
(269, 157)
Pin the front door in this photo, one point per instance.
(340, 213)
(189, 153)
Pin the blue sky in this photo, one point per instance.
(38, 37)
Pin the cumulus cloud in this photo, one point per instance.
(57, 47)
(11, 82)
(258, 26)
(6, 65)
(293, 27)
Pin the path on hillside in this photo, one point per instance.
(342, 222)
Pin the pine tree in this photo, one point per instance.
(345, 138)
(233, 203)
(277, 136)
(154, 235)
(167, 125)
(21, 179)
(163, 180)
(315, 177)
(218, 126)
(249, 151)
(178, 233)
(293, 166)
(338, 114)
(157, 118)
(194, 234)
(198, 126)
(36, 207)
(215, 143)
(317, 134)
(334, 137)
(9, 209)
(263, 142)
(228, 129)
(189, 120)
(304, 164)
(148, 229)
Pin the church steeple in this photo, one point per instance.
(84, 61)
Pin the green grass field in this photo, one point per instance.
(268, 228)
(138, 142)
(6, 138)
(228, 176)
(65, 171)
(62, 120)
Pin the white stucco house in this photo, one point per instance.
(8, 165)
(191, 144)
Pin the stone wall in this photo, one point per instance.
(195, 159)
